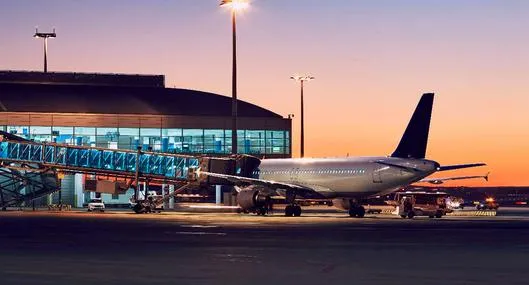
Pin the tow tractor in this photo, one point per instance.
(154, 203)
(430, 204)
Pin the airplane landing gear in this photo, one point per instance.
(356, 210)
(261, 211)
(293, 210)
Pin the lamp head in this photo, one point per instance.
(235, 5)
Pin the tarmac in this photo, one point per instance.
(118, 247)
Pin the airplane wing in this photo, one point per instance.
(459, 166)
(277, 187)
(442, 180)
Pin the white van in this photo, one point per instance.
(96, 204)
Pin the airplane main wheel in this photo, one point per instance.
(439, 214)
(293, 210)
(289, 211)
(138, 208)
(411, 214)
(297, 210)
(361, 212)
(261, 212)
(358, 212)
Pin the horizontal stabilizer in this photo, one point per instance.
(459, 166)
(442, 180)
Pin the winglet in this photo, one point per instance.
(414, 141)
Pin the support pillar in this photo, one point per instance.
(218, 194)
(163, 195)
(171, 201)
(78, 191)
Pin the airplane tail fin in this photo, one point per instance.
(414, 141)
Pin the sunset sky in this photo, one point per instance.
(372, 60)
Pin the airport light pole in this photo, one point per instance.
(45, 36)
(235, 7)
(302, 80)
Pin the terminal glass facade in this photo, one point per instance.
(171, 140)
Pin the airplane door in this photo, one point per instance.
(377, 177)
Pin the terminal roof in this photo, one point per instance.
(60, 97)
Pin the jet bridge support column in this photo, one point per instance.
(218, 194)
(78, 190)
(171, 200)
(137, 175)
(164, 192)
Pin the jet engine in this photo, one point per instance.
(250, 198)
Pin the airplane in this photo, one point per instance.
(347, 181)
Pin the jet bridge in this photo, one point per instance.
(23, 161)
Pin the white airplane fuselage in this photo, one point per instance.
(347, 177)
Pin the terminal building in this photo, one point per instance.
(122, 111)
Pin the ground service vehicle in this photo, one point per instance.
(431, 204)
(96, 204)
(488, 204)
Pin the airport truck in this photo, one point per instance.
(430, 204)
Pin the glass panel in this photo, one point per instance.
(193, 141)
(150, 138)
(254, 142)
(107, 137)
(241, 142)
(275, 142)
(40, 134)
(85, 136)
(287, 142)
(172, 140)
(21, 131)
(63, 135)
(214, 141)
(150, 132)
(129, 138)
